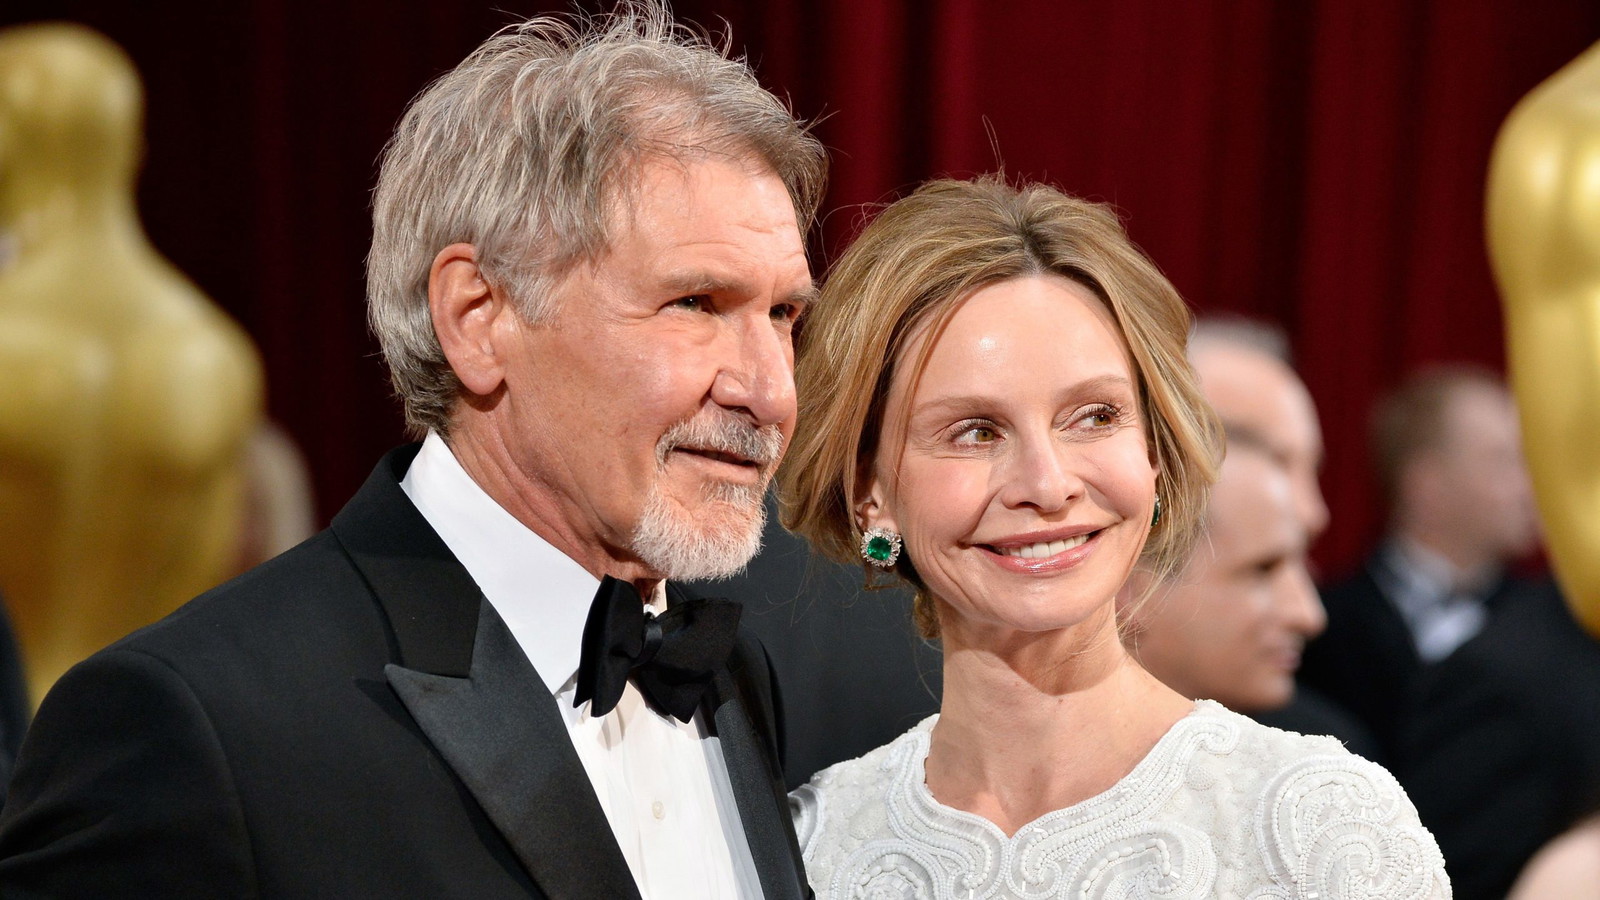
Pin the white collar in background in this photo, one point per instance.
(1429, 574)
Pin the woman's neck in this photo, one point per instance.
(1035, 723)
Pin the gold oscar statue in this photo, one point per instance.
(1544, 243)
(126, 397)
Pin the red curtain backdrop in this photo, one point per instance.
(1318, 164)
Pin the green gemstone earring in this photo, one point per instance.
(1156, 519)
(880, 547)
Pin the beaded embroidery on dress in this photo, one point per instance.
(1220, 807)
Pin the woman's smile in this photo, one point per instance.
(1042, 555)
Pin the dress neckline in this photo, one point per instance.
(1098, 805)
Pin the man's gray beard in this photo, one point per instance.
(720, 538)
(717, 541)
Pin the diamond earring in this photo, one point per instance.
(880, 547)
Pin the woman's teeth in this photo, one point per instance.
(1042, 550)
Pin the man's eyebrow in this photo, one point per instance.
(1249, 437)
(690, 283)
(804, 297)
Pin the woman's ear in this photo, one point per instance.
(872, 509)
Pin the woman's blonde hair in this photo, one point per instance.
(914, 264)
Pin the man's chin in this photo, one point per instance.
(706, 541)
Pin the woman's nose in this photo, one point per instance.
(1039, 473)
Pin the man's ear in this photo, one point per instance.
(465, 309)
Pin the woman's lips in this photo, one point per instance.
(1044, 555)
(1043, 549)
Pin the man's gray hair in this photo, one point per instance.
(530, 149)
(1229, 330)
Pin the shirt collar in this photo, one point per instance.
(1424, 577)
(542, 594)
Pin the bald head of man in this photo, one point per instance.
(1245, 374)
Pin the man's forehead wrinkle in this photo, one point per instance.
(732, 279)
(623, 188)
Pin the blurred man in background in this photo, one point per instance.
(1232, 625)
(1449, 459)
(1479, 685)
(1245, 371)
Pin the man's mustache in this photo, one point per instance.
(727, 434)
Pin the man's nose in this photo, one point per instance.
(758, 376)
(1301, 605)
(1312, 507)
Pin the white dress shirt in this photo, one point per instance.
(663, 783)
(1442, 606)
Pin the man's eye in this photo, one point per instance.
(785, 312)
(695, 303)
(1266, 568)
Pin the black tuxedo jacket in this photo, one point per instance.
(1503, 753)
(853, 672)
(1365, 660)
(349, 720)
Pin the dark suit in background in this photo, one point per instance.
(349, 720)
(15, 707)
(1366, 661)
(1503, 750)
(854, 673)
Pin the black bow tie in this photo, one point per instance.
(670, 657)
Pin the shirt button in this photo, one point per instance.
(658, 809)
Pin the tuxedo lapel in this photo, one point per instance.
(753, 774)
(428, 597)
(473, 692)
(501, 732)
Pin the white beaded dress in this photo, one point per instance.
(1220, 807)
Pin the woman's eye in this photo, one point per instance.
(977, 434)
(1100, 417)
